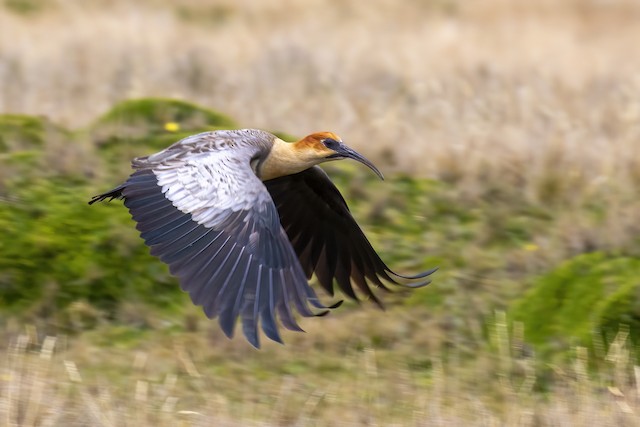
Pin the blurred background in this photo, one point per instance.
(509, 133)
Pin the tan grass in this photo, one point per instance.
(78, 382)
(531, 92)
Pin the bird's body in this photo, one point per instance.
(244, 219)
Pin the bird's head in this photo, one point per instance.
(327, 146)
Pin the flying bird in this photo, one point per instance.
(244, 219)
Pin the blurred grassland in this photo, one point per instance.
(509, 135)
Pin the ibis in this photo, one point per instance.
(244, 220)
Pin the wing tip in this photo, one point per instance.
(415, 276)
(336, 304)
(116, 193)
(415, 285)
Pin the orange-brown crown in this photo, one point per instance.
(315, 140)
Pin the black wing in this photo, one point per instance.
(326, 238)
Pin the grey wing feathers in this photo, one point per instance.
(208, 216)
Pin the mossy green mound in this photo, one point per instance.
(142, 126)
(583, 301)
(152, 121)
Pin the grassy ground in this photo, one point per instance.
(116, 376)
(524, 115)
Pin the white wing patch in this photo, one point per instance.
(212, 185)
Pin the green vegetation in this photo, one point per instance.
(23, 133)
(57, 251)
(584, 299)
(71, 268)
(137, 127)
(515, 174)
(23, 6)
(23, 145)
(60, 254)
(148, 120)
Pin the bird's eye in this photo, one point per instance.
(331, 144)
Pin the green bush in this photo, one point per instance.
(56, 249)
(622, 307)
(584, 299)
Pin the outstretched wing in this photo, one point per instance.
(326, 238)
(203, 211)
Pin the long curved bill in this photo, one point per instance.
(345, 151)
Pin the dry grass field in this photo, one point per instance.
(534, 103)
(452, 89)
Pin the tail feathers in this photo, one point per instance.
(116, 193)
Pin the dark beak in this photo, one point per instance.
(346, 152)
